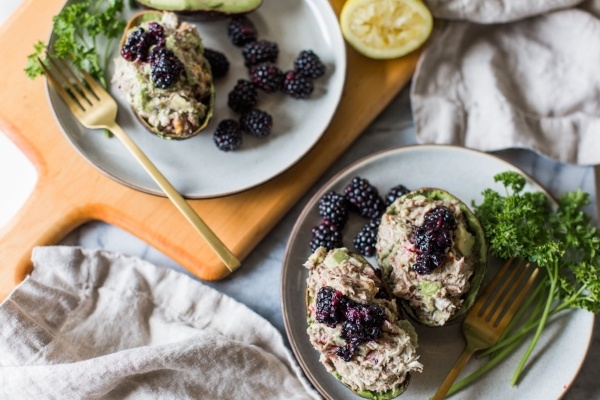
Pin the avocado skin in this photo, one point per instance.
(201, 9)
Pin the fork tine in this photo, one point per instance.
(67, 98)
(83, 83)
(482, 301)
(503, 297)
(76, 91)
(496, 300)
(95, 87)
(517, 302)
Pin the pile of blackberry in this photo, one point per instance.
(360, 197)
(260, 57)
(149, 46)
(361, 323)
(433, 239)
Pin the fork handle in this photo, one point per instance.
(230, 261)
(453, 374)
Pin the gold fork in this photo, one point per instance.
(491, 314)
(95, 108)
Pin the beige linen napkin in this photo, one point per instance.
(532, 83)
(93, 324)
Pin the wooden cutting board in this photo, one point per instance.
(70, 192)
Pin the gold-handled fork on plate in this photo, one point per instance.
(491, 314)
(95, 108)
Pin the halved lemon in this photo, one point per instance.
(385, 29)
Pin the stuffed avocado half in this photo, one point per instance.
(432, 251)
(164, 76)
(355, 325)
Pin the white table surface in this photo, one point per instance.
(257, 283)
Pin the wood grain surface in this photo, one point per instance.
(70, 192)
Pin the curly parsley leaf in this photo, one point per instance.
(78, 28)
(559, 239)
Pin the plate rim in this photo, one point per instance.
(340, 67)
(331, 182)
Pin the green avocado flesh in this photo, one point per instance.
(216, 7)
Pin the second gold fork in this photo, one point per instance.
(491, 314)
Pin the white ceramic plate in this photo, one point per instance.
(196, 167)
(465, 173)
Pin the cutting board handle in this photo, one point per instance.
(45, 218)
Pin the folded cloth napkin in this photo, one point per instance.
(96, 325)
(531, 83)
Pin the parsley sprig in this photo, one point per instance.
(560, 240)
(79, 27)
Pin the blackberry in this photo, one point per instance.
(328, 236)
(366, 239)
(309, 64)
(364, 198)
(433, 239)
(156, 34)
(331, 306)
(363, 323)
(297, 85)
(243, 97)
(266, 76)
(360, 322)
(395, 193)
(333, 209)
(259, 52)
(241, 31)
(228, 136)
(256, 122)
(166, 68)
(219, 64)
(137, 46)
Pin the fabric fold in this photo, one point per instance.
(94, 324)
(527, 84)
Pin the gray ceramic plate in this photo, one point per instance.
(465, 173)
(195, 166)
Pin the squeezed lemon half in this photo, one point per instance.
(385, 29)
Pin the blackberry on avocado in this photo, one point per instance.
(164, 76)
(361, 337)
(432, 252)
